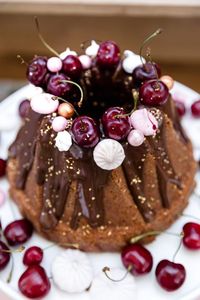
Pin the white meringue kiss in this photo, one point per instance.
(44, 103)
(72, 271)
(135, 138)
(63, 140)
(92, 50)
(108, 154)
(144, 120)
(67, 52)
(131, 61)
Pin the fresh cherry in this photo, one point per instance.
(153, 92)
(2, 167)
(108, 55)
(195, 109)
(146, 72)
(72, 66)
(180, 107)
(191, 238)
(18, 232)
(34, 282)
(115, 124)
(33, 256)
(170, 275)
(37, 70)
(138, 258)
(57, 86)
(24, 108)
(4, 256)
(85, 131)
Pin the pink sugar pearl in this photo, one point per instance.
(135, 138)
(59, 124)
(54, 64)
(85, 61)
(2, 197)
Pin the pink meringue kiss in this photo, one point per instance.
(85, 61)
(54, 64)
(143, 120)
(2, 197)
(44, 103)
(135, 138)
(59, 124)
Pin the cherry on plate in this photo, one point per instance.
(191, 238)
(170, 275)
(34, 282)
(18, 232)
(33, 256)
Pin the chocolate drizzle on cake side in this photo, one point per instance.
(57, 170)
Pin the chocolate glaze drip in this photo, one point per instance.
(24, 147)
(133, 170)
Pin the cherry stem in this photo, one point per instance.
(22, 60)
(76, 246)
(153, 233)
(80, 89)
(107, 269)
(43, 40)
(19, 250)
(190, 216)
(11, 270)
(177, 250)
(147, 40)
(135, 98)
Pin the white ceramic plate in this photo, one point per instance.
(163, 247)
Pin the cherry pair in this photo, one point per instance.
(195, 108)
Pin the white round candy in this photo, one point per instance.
(135, 138)
(59, 123)
(72, 271)
(93, 49)
(63, 140)
(44, 103)
(108, 154)
(104, 288)
(85, 61)
(54, 64)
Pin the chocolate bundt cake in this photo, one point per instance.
(112, 165)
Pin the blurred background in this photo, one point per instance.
(67, 23)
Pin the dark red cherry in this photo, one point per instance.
(115, 125)
(85, 131)
(195, 109)
(34, 282)
(2, 167)
(37, 70)
(153, 92)
(4, 256)
(146, 72)
(170, 275)
(33, 256)
(137, 257)
(57, 86)
(18, 232)
(180, 107)
(24, 108)
(191, 238)
(72, 66)
(108, 55)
